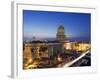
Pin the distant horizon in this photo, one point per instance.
(83, 39)
(44, 24)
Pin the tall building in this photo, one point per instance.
(61, 34)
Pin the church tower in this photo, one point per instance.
(61, 34)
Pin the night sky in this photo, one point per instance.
(44, 24)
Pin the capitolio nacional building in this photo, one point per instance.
(47, 49)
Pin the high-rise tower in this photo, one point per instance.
(61, 34)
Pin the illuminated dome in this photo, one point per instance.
(61, 27)
(61, 33)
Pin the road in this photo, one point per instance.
(75, 60)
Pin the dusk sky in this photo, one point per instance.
(44, 24)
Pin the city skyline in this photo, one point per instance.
(44, 24)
